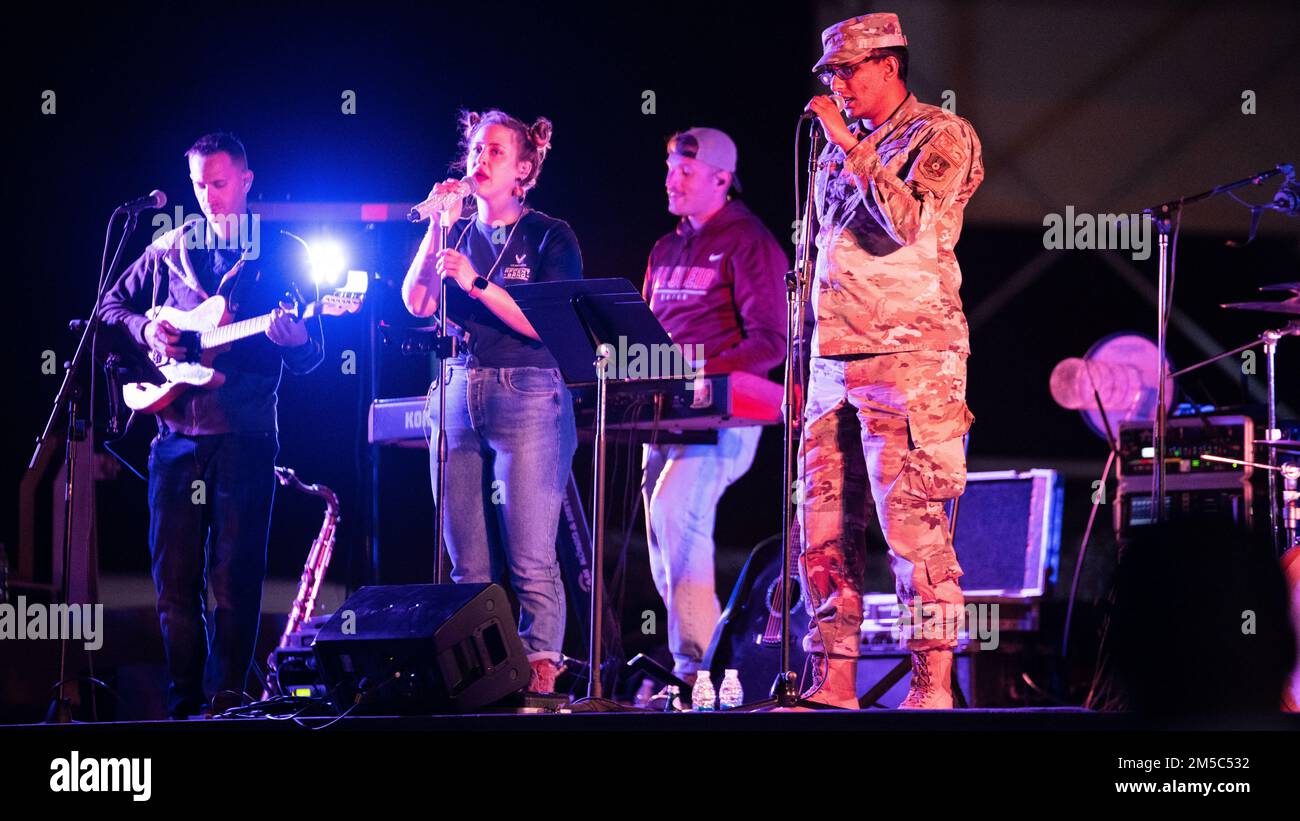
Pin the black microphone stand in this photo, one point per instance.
(440, 490)
(66, 402)
(595, 688)
(443, 348)
(1165, 215)
(798, 288)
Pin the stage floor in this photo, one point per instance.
(1057, 719)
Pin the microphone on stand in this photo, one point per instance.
(441, 202)
(155, 199)
(1285, 201)
(1287, 198)
(809, 114)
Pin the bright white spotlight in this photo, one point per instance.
(327, 261)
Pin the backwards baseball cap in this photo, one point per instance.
(708, 145)
(851, 40)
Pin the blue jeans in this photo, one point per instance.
(510, 443)
(682, 485)
(214, 533)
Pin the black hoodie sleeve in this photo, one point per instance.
(124, 305)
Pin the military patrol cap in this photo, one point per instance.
(851, 40)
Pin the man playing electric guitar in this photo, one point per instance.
(211, 467)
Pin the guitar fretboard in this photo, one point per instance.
(226, 334)
(236, 331)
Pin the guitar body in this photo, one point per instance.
(196, 371)
(747, 637)
(203, 344)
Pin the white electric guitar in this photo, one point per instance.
(206, 332)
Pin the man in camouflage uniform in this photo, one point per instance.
(887, 392)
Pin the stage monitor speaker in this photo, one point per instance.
(422, 648)
(1008, 535)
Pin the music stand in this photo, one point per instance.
(575, 317)
(584, 323)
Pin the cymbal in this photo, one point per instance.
(1283, 445)
(1286, 306)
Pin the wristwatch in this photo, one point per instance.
(479, 284)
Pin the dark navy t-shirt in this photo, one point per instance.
(541, 249)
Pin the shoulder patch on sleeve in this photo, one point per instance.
(939, 164)
(945, 143)
(935, 164)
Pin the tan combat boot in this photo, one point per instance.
(931, 687)
(834, 659)
(834, 681)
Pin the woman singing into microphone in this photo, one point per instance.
(510, 426)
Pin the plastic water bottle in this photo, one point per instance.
(731, 694)
(702, 695)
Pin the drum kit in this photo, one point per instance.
(1117, 383)
(1284, 511)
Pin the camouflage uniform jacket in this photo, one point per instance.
(889, 216)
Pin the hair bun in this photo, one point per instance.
(540, 133)
(469, 119)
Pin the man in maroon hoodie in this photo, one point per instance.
(716, 281)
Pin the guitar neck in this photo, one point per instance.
(244, 328)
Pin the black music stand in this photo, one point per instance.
(583, 323)
(575, 317)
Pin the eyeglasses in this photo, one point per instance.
(829, 72)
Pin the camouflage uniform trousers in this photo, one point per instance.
(893, 424)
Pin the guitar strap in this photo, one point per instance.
(230, 278)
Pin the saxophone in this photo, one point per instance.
(313, 572)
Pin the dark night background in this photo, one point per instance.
(1076, 105)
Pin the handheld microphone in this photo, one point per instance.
(441, 202)
(808, 113)
(155, 199)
